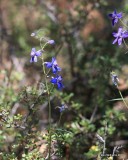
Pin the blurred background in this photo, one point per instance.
(82, 31)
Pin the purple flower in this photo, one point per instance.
(115, 17)
(51, 42)
(57, 81)
(63, 107)
(34, 55)
(120, 35)
(33, 34)
(53, 64)
(115, 79)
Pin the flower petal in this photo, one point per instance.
(54, 60)
(48, 64)
(54, 69)
(115, 41)
(119, 15)
(60, 85)
(31, 60)
(33, 51)
(38, 53)
(115, 20)
(110, 15)
(59, 78)
(54, 80)
(125, 35)
(120, 30)
(115, 34)
(115, 12)
(120, 41)
(51, 41)
(35, 58)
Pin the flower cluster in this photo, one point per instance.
(34, 54)
(57, 80)
(121, 34)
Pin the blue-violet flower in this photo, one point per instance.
(57, 81)
(34, 55)
(120, 35)
(33, 34)
(63, 107)
(53, 64)
(115, 17)
(51, 42)
(115, 79)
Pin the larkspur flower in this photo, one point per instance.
(33, 34)
(51, 42)
(115, 17)
(120, 35)
(57, 81)
(63, 107)
(115, 78)
(53, 64)
(35, 54)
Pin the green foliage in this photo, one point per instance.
(86, 65)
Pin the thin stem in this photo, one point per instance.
(42, 47)
(123, 23)
(60, 119)
(122, 98)
(49, 104)
(123, 39)
(114, 150)
(104, 147)
(125, 45)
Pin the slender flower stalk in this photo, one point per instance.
(49, 103)
(49, 106)
(57, 80)
(115, 81)
(52, 42)
(125, 45)
(62, 109)
(123, 24)
(122, 97)
(105, 137)
(60, 119)
(123, 39)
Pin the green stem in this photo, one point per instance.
(123, 23)
(122, 98)
(127, 28)
(125, 45)
(49, 104)
(42, 47)
(59, 119)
